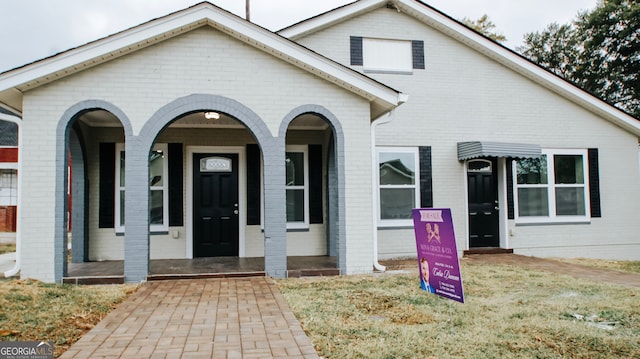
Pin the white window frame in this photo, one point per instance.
(386, 56)
(9, 195)
(551, 190)
(164, 227)
(305, 154)
(415, 186)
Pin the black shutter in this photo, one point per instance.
(426, 190)
(594, 183)
(315, 184)
(253, 184)
(356, 51)
(176, 161)
(417, 51)
(106, 206)
(510, 204)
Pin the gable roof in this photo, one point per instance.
(14, 82)
(473, 39)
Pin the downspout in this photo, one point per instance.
(16, 268)
(386, 118)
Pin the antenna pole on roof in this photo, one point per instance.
(247, 11)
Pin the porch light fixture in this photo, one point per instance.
(212, 115)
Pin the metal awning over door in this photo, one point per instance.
(476, 149)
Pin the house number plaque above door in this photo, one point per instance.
(215, 164)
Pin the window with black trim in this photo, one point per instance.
(552, 188)
(387, 55)
(398, 185)
(158, 188)
(297, 186)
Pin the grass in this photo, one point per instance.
(34, 311)
(7, 248)
(510, 312)
(623, 266)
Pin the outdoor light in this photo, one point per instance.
(211, 115)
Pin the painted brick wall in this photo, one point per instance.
(464, 96)
(202, 61)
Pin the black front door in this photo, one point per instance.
(215, 205)
(483, 203)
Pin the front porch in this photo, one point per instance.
(112, 272)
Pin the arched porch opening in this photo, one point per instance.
(314, 185)
(211, 191)
(240, 134)
(87, 161)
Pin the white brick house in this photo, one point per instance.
(228, 140)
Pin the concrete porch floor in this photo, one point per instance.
(110, 272)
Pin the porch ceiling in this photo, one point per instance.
(100, 118)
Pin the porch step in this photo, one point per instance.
(487, 250)
(91, 280)
(326, 272)
(155, 277)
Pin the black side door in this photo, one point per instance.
(483, 203)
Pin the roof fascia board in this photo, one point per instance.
(494, 51)
(205, 13)
(308, 60)
(106, 48)
(520, 65)
(329, 18)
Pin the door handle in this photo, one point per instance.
(496, 208)
(235, 211)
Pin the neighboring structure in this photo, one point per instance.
(8, 175)
(201, 134)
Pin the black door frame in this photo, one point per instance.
(189, 167)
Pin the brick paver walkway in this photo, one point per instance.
(201, 318)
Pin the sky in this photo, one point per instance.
(34, 29)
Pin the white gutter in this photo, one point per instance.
(386, 118)
(16, 268)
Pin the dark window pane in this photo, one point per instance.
(122, 168)
(532, 170)
(156, 168)
(570, 202)
(533, 202)
(294, 162)
(397, 168)
(568, 169)
(396, 203)
(156, 207)
(295, 205)
(121, 207)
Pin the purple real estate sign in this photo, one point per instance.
(437, 253)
